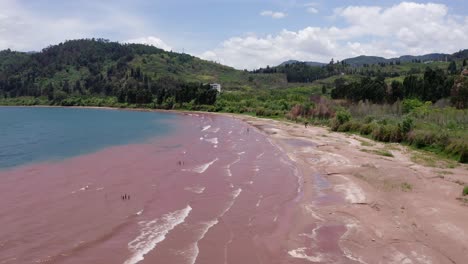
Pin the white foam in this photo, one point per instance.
(234, 195)
(216, 130)
(241, 153)
(206, 128)
(139, 212)
(230, 132)
(260, 155)
(212, 140)
(195, 189)
(275, 218)
(202, 168)
(153, 232)
(100, 189)
(259, 201)
(195, 250)
(300, 254)
(229, 166)
(311, 210)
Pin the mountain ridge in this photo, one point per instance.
(366, 59)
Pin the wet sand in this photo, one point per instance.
(234, 190)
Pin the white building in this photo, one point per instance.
(216, 86)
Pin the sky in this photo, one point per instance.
(244, 34)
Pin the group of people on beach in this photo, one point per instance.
(125, 197)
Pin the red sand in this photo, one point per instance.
(232, 200)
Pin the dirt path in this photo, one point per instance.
(398, 205)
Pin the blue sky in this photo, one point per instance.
(244, 33)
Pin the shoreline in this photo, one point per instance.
(391, 208)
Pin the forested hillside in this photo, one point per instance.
(96, 69)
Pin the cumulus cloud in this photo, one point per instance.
(276, 15)
(151, 40)
(405, 28)
(21, 28)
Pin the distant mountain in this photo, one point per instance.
(309, 63)
(427, 57)
(363, 59)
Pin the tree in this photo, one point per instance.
(464, 63)
(397, 91)
(452, 68)
(459, 93)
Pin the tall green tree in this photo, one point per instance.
(452, 68)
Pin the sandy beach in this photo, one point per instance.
(382, 208)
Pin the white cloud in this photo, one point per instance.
(276, 15)
(151, 40)
(25, 29)
(405, 28)
(312, 10)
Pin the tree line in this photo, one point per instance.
(432, 86)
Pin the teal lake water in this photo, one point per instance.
(29, 135)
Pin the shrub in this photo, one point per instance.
(464, 156)
(366, 129)
(344, 127)
(368, 119)
(410, 104)
(343, 116)
(387, 133)
(407, 125)
(465, 191)
(421, 139)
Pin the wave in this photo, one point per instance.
(195, 250)
(234, 195)
(195, 189)
(202, 168)
(153, 232)
(228, 167)
(300, 254)
(206, 128)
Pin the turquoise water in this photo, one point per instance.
(30, 135)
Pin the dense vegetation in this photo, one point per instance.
(411, 100)
(99, 72)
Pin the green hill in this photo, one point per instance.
(133, 73)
